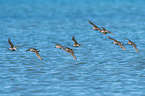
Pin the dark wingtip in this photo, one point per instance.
(89, 21)
(126, 38)
(73, 37)
(27, 50)
(53, 42)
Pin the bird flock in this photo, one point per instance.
(104, 31)
(76, 44)
(66, 49)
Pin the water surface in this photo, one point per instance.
(102, 69)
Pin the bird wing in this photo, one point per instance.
(18, 45)
(111, 32)
(93, 24)
(107, 30)
(72, 53)
(27, 50)
(66, 49)
(10, 43)
(128, 40)
(112, 38)
(62, 47)
(121, 46)
(56, 43)
(73, 38)
(103, 28)
(37, 53)
(135, 47)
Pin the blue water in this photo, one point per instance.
(102, 68)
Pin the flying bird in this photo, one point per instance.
(59, 46)
(36, 52)
(95, 27)
(133, 44)
(13, 48)
(70, 51)
(76, 43)
(66, 49)
(104, 31)
(117, 43)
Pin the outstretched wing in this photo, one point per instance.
(128, 40)
(103, 28)
(73, 38)
(112, 38)
(111, 32)
(27, 50)
(18, 45)
(72, 53)
(66, 49)
(56, 43)
(10, 43)
(121, 46)
(135, 47)
(93, 24)
(107, 30)
(62, 47)
(37, 53)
